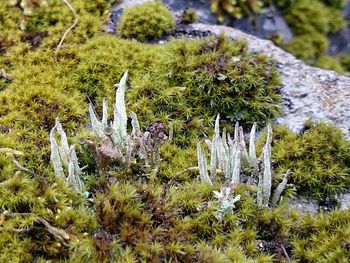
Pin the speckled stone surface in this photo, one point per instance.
(308, 92)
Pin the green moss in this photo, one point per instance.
(308, 47)
(235, 9)
(312, 22)
(146, 21)
(330, 63)
(307, 16)
(318, 158)
(345, 61)
(189, 16)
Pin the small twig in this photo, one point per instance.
(194, 169)
(57, 233)
(17, 230)
(6, 214)
(19, 166)
(190, 169)
(32, 173)
(285, 253)
(69, 29)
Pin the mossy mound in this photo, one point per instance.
(318, 158)
(146, 21)
(307, 16)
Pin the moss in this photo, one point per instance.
(307, 16)
(318, 158)
(308, 47)
(327, 62)
(146, 21)
(345, 61)
(235, 9)
(24, 199)
(189, 16)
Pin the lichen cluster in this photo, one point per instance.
(133, 212)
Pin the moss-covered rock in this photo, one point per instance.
(146, 21)
(312, 22)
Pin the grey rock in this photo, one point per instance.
(304, 205)
(344, 201)
(267, 24)
(307, 92)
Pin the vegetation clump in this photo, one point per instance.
(308, 47)
(235, 9)
(189, 16)
(318, 158)
(331, 63)
(146, 21)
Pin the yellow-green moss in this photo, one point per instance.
(312, 21)
(331, 63)
(345, 61)
(146, 21)
(308, 16)
(235, 9)
(318, 158)
(308, 47)
(189, 16)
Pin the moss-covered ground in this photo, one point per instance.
(169, 216)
